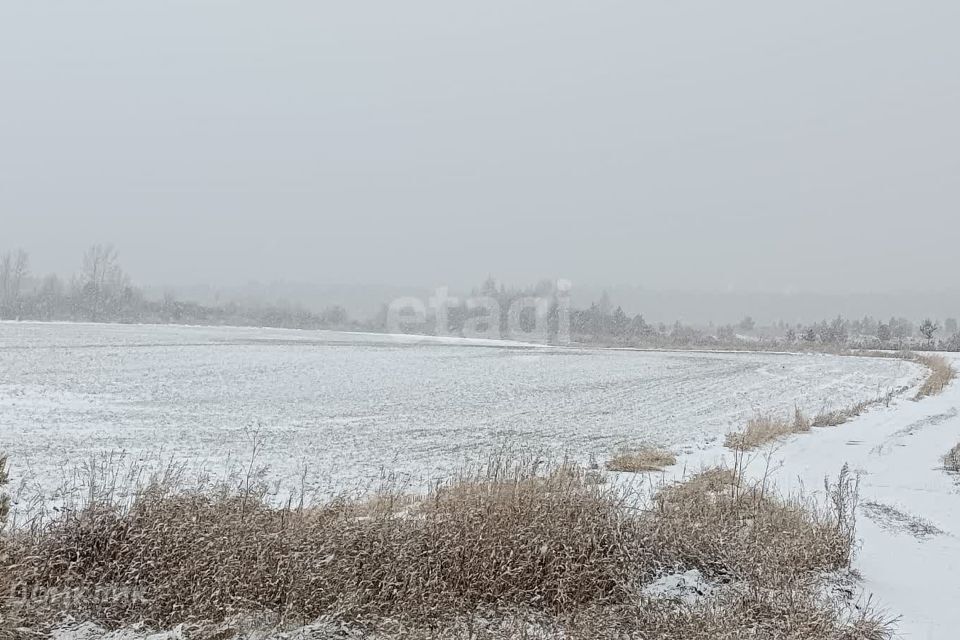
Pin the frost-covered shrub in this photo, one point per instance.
(951, 461)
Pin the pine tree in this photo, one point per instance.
(883, 332)
(928, 329)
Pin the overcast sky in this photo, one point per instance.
(676, 145)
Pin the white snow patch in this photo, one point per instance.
(689, 587)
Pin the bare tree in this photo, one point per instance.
(901, 328)
(102, 280)
(14, 269)
(49, 297)
(838, 331)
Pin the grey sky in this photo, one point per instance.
(727, 146)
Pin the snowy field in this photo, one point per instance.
(339, 409)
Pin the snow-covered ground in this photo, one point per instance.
(909, 516)
(342, 408)
(353, 405)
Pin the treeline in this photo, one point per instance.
(542, 311)
(604, 324)
(490, 310)
(101, 291)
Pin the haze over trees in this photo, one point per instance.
(102, 291)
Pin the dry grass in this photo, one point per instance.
(777, 615)
(951, 461)
(763, 430)
(4, 498)
(941, 374)
(641, 461)
(515, 551)
(6, 581)
(728, 528)
(833, 418)
(507, 537)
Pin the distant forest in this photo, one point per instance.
(101, 291)
(603, 323)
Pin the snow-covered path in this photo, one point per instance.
(910, 507)
(909, 517)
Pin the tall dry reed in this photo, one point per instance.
(487, 554)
